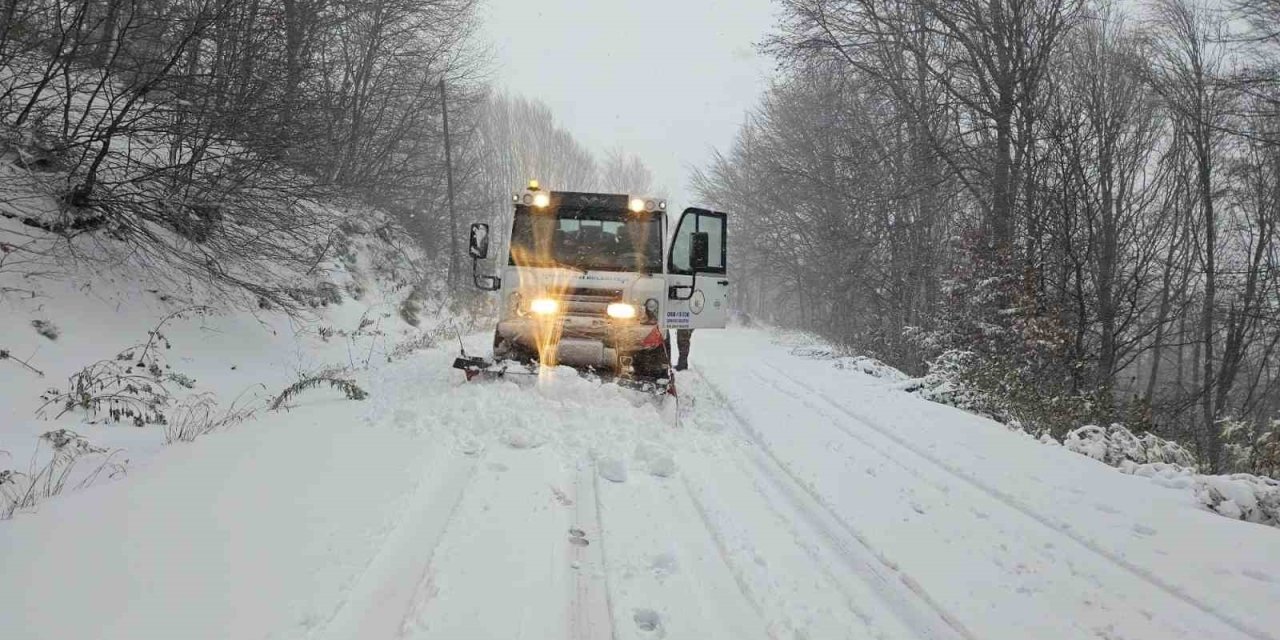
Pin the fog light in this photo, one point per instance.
(544, 306)
(621, 311)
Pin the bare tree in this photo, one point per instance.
(1187, 67)
(1104, 130)
(624, 172)
(200, 132)
(519, 140)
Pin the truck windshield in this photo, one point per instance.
(587, 239)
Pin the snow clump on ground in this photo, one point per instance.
(1116, 444)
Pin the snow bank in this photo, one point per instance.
(1116, 444)
(807, 345)
(945, 384)
(871, 367)
(1240, 496)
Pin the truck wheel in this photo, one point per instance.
(651, 363)
(501, 348)
(504, 349)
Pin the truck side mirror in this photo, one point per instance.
(487, 283)
(699, 250)
(479, 248)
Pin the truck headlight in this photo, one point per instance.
(544, 306)
(621, 311)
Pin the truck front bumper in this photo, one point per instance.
(579, 342)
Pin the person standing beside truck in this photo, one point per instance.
(683, 338)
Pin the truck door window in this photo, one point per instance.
(680, 247)
(713, 226)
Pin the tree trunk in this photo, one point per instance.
(1213, 436)
(448, 174)
(1001, 221)
(105, 46)
(8, 11)
(1162, 317)
(1107, 252)
(294, 33)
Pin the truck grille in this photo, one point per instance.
(581, 301)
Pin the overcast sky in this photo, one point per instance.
(668, 79)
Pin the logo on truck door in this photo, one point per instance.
(697, 302)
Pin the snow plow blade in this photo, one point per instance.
(476, 367)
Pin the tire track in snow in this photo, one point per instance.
(717, 540)
(862, 440)
(909, 602)
(822, 552)
(819, 564)
(664, 559)
(384, 593)
(1012, 503)
(591, 603)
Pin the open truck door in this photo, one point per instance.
(697, 272)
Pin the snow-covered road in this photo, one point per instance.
(796, 500)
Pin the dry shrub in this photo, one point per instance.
(133, 386)
(22, 491)
(334, 378)
(201, 415)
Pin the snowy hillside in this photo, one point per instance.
(794, 500)
(123, 353)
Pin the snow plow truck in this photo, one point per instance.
(596, 281)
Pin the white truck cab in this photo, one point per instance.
(595, 281)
